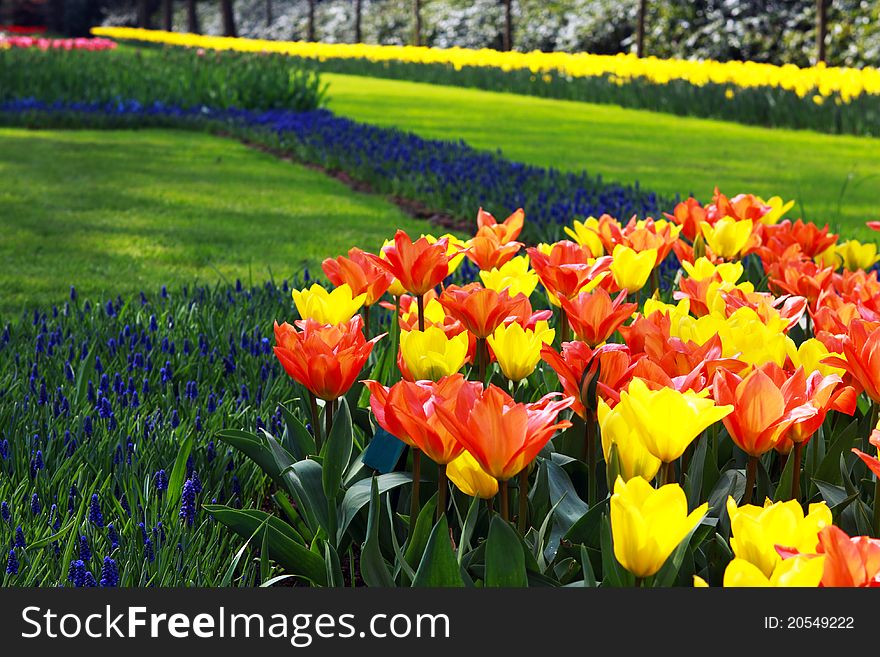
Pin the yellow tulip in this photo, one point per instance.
(676, 312)
(703, 268)
(809, 355)
(667, 420)
(829, 258)
(756, 531)
(631, 268)
(518, 350)
(586, 233)
(778, 208)
(648, 524)
(856, 255)
(431, 355)
(334, 307)
(455, 245)
(470, 479)
(434, 313)
(795, 571)
(514, 275)
(728, 237)
(633, 457)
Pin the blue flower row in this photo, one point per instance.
(448, 177)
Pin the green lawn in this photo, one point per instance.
(117, 212)
(664, 153)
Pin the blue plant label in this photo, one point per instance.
(383, 452)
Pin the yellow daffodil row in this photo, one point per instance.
(819, 81)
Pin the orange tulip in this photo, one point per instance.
(406, 410)
(419, 265)
(861, 356)
(825, 394)
(849, 562)
(488, 252)
(326, 359)
(688, 214)
(764, 407)
(799, 277)
(360, 271)
(615, 371)
(482, 310)
(508, 230)
(502, 435)
(568, 268)
(810, 239)
(594, 316)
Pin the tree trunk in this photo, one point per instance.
(640, 28)
(268, 13)
(143, 14)
(358, 10)
(821, 30)
(417, 23)
(228, 12)
(167, 15)
(192, 18)
(507, 41)
(311, 26)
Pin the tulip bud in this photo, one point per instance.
(699, 248)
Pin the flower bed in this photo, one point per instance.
(41, 43)
(818, 98)
(450, 177)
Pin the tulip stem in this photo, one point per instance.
(442, 488)
(638, 582)
(504, 503)
(590, 458)
(669, 473)
(482, 359)
(563, 327)
(367, 322)
(420, 301)
(328, 418)
(796, 470)
(523, 500)
(655, 281)
(877, 507)
(416, 477)
(751, 475)
(316, 424)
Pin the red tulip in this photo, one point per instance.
(567, 269)
(615, 371)
(508, 230)
(861, 356)
(482, 310)
(764, 408)
(594, 317)
(419, 265)
(325, 359)
(360, 271)
(406, 410)
(502, 435)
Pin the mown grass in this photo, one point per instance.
(836, 179)
(114, 212)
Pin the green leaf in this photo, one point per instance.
(587, 566)
(358, 496)
(230, 572)
(438, 566)
(695, 472)
(178, 473)
(282, 542)
(669, 571)
(505, 561)
(613, 574)
(783, 488)
(835, 496)
(300, 441)
(843, 442)
(374, 569)
(569, 507)
(587, 530)
(418, 540)
(334, 568)
(303, 481)
(467, 528)
(337, 451)
(252, 446)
